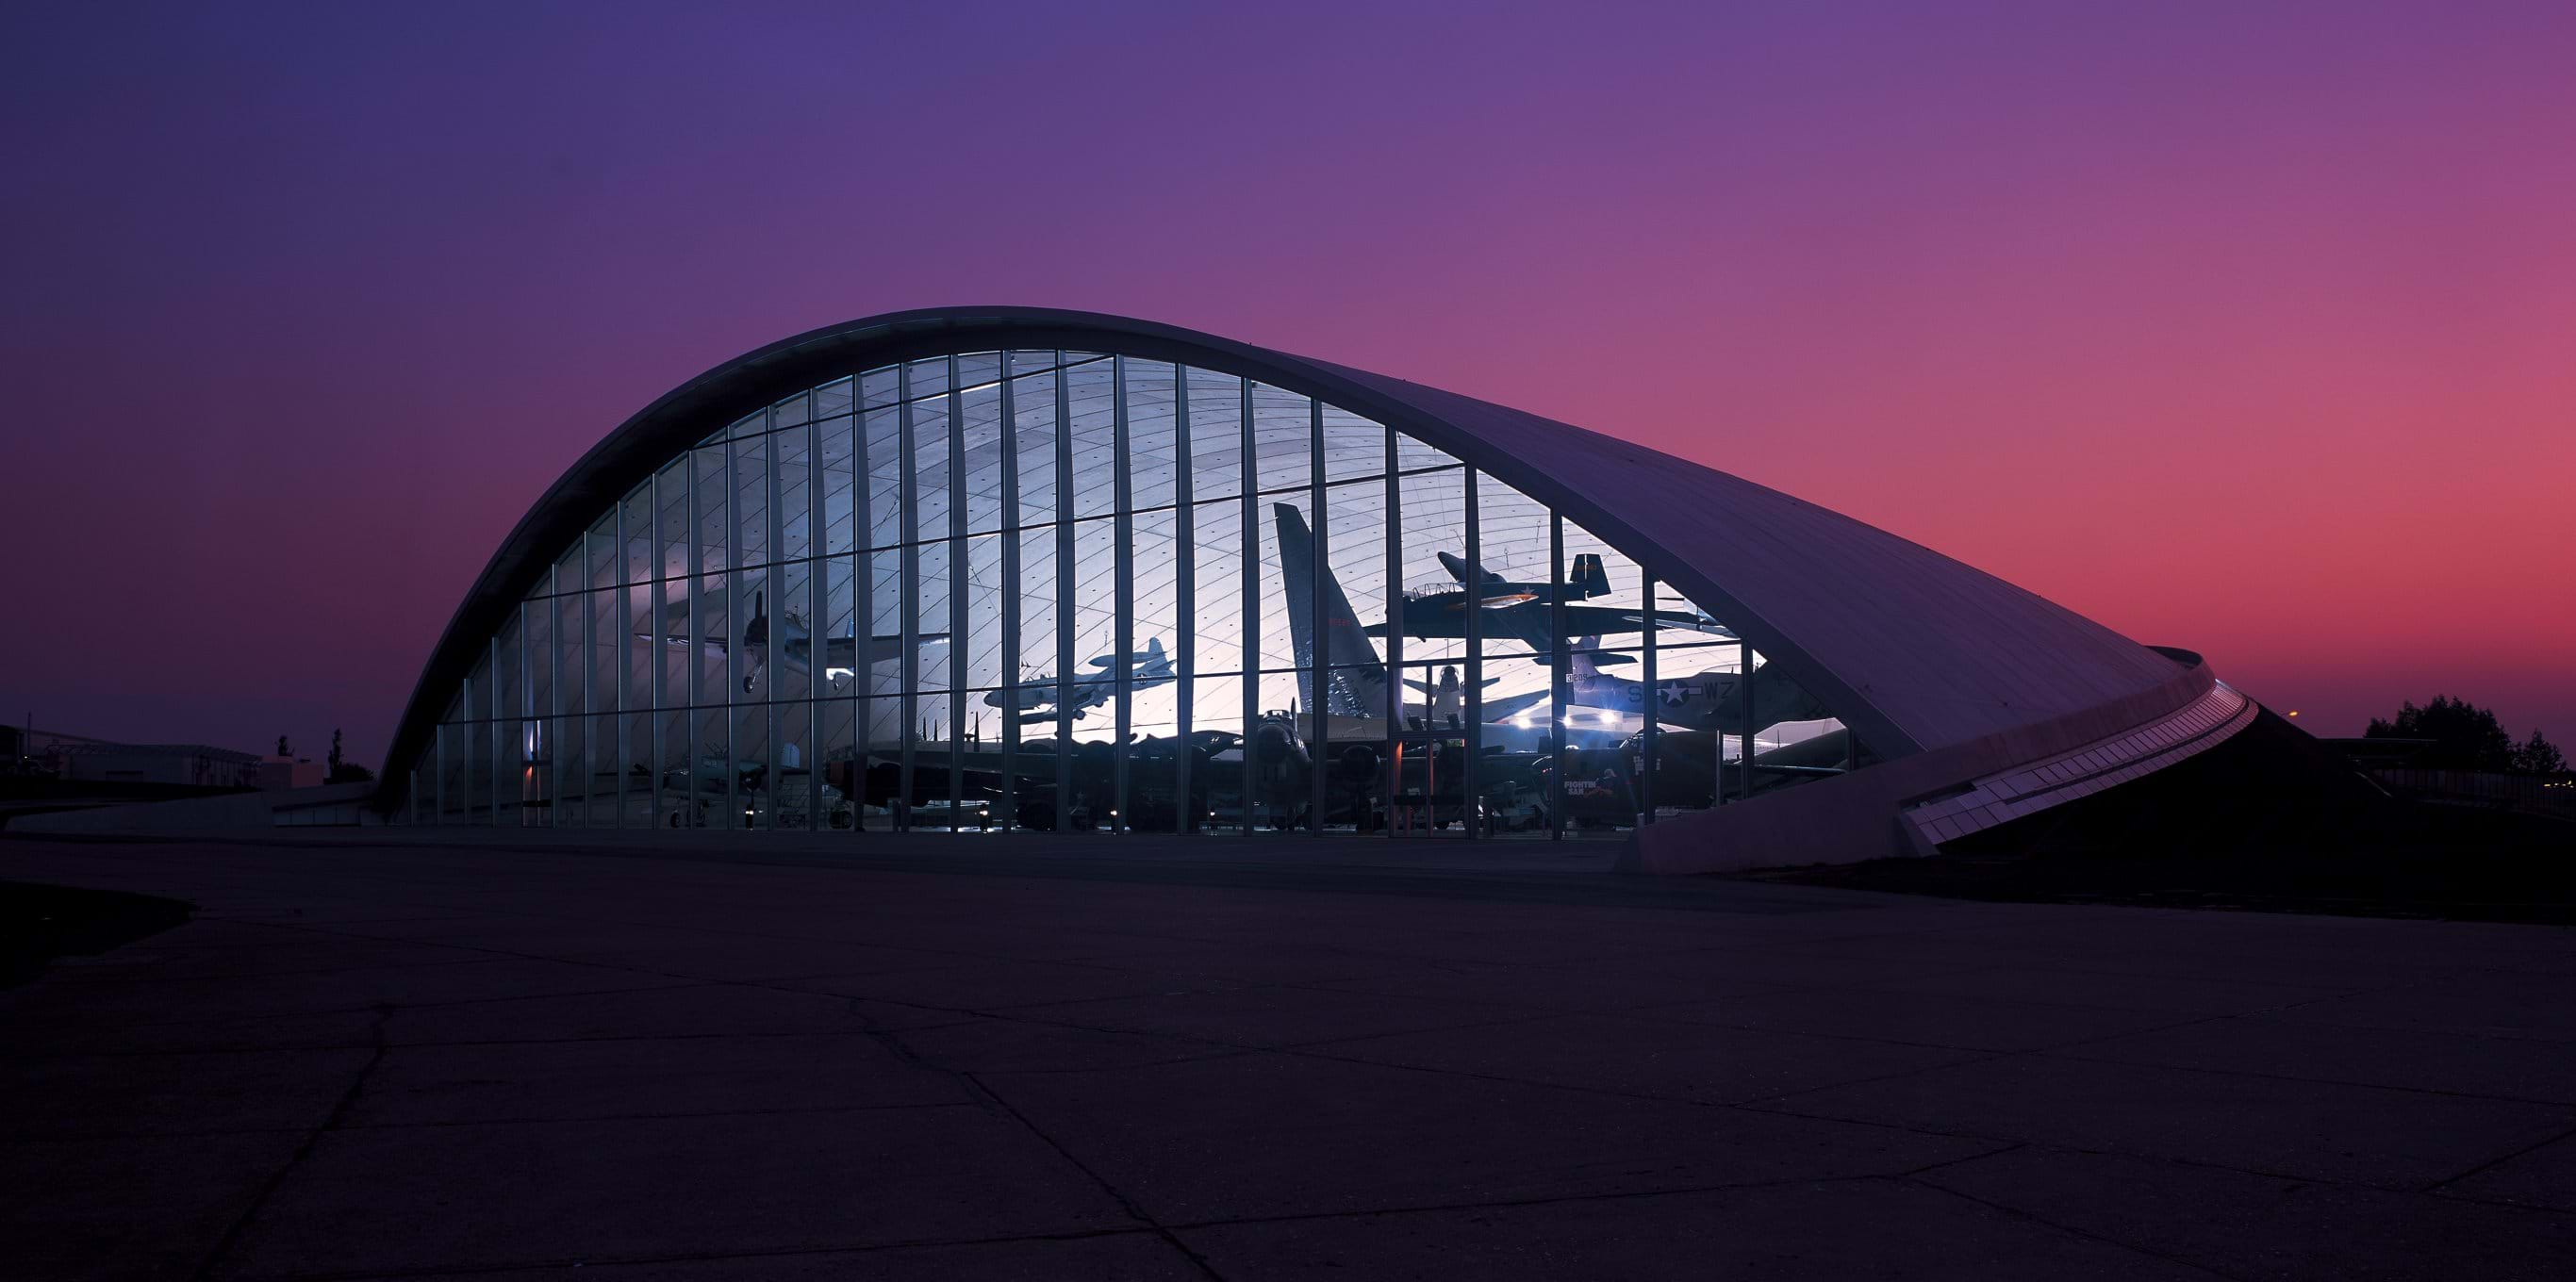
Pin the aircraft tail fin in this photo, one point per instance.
(1587, 576)
(1580, 666)
(1357, 679)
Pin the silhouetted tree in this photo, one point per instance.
(342, 769)
(2465, 736)
(282, 749)
(2538, 756)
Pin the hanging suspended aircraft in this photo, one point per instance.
(795, 642)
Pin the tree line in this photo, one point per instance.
(2463, 736)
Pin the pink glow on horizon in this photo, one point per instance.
(2246, 329)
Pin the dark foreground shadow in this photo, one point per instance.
(2272, 820)
(40, 923)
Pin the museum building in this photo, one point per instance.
(982, 569)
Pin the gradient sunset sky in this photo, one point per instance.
(2244, 327)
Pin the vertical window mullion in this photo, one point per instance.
(1250, 606)
(863, 624)
(818, 641)
(1394, 631)
(1185, 812)
(1558, 729)
(908, 585)
(773, 525)
(958, 638)
(658, 602)
(1064, 584)
(1319, 571)
(1470, 782)
(1122, 592)
(1008, 669)
(617, 725)
(1648, 738)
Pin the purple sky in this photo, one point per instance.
(2246, 327)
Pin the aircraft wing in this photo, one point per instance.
(1509, 706)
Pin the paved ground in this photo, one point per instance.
(964, 1059)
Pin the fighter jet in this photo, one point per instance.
(1704, 700)
(1445, 703)
(1036, 697)
(795, 642)
(1525, 612)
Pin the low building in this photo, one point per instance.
(191, 765)
(276, 773)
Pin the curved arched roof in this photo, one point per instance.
(1914, 650)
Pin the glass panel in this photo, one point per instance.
(927, 377)
(790, 454)
(636, 633)
(832, 398)
(755, 796)
(679, 805)
(1095, 632)
(636, 757)
(572, 772)
(478, 772)
(673, 487)
(1512, 540)
(982, 647)
(606, 557)
(510, 692)
(607, 624)
(1216, 435)
(1279, 613)
(792, 412)
(1033, 417)
(1036, 661)
(791, 632)
(1092, 405)
(931, 619)
(710, 639)
(978, 369)
(637, 551)
(572, 572)
(751, 510)
(1217, 565)
(982, 412)
(879, 387)
(713, 803)
(1155, 704)
(713, 520)
(1411, 455)
(751, 652)
(1151, 450)
(1217, 748)
(793, 792)
(1353, 446)
(885, 477)
(930, 429)
(1283, 435)
(837, 767)
(840, 655)
(833, 447)
(1434, 526)
(1355, 545)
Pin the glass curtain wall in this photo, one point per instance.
(1067, 591)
